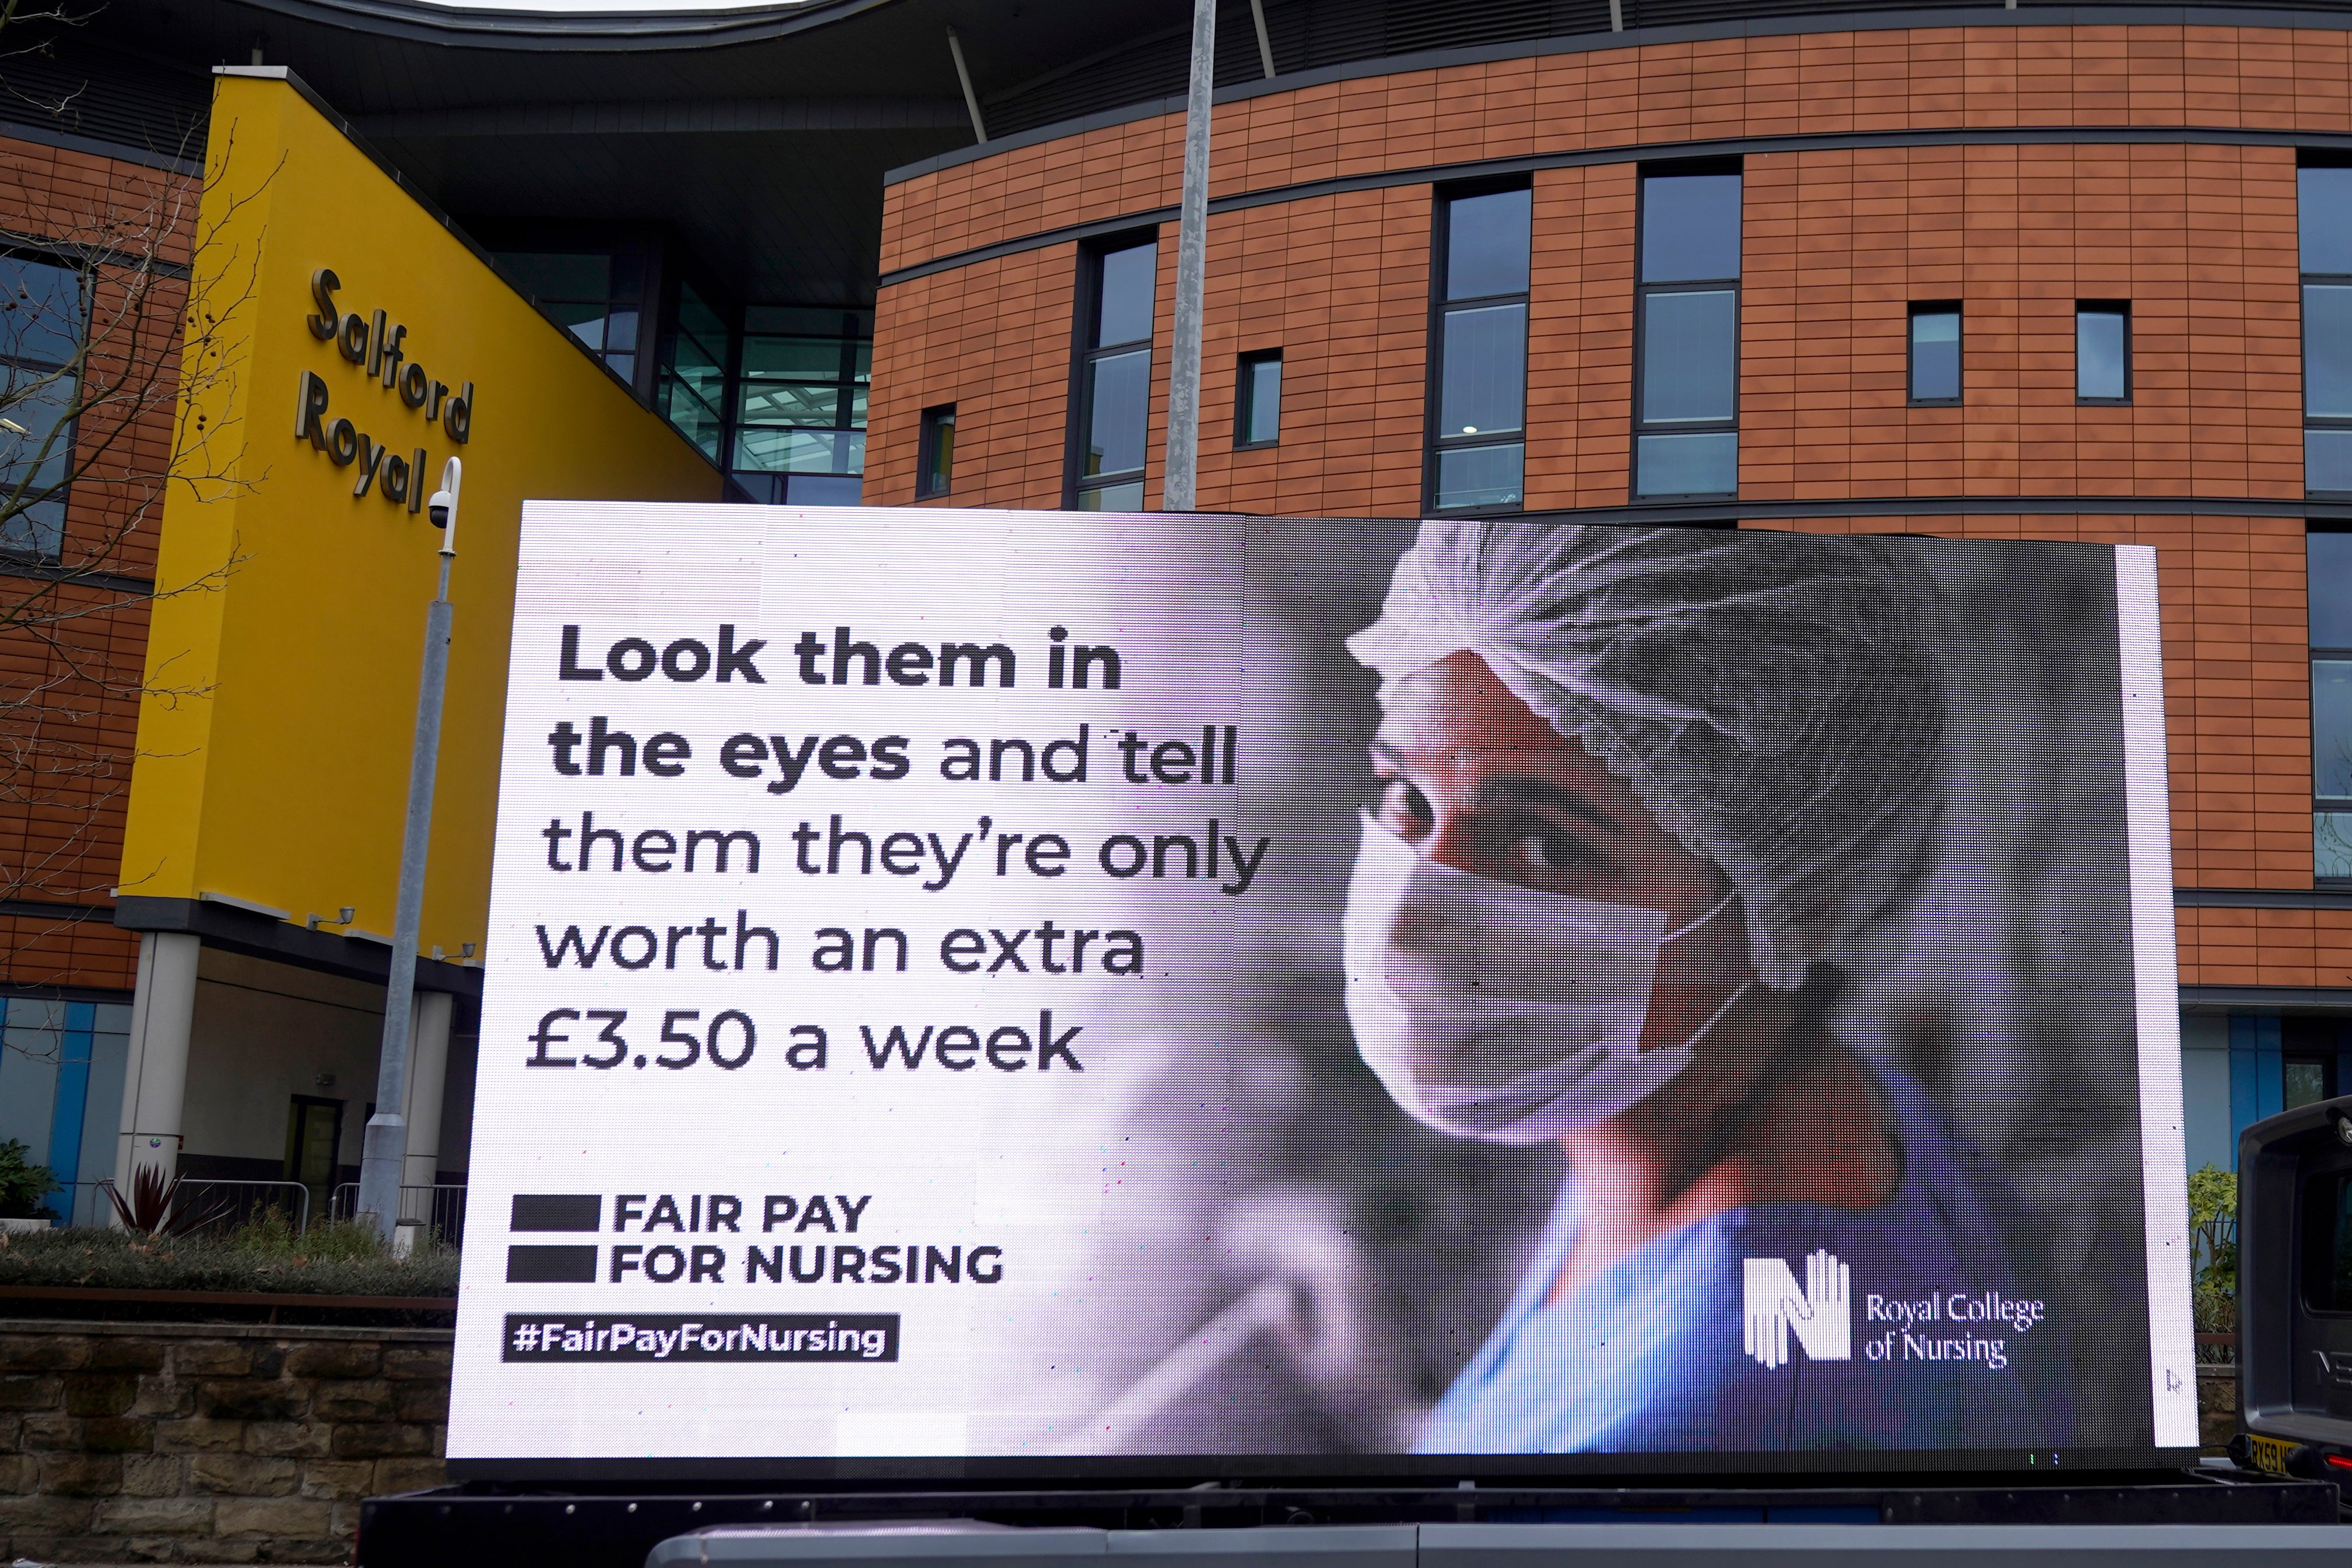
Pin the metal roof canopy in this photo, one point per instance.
(758, 137)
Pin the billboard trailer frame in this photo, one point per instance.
(615, 1525)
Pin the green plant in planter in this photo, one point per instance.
(22, 1185)
(2213, 1229)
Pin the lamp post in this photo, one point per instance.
(1176, 487)
(385, 1151)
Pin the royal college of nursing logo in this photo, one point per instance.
(1821, 1315)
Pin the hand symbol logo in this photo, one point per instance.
(1821, 1314)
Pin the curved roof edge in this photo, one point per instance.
(1991, 15)
(571, 31)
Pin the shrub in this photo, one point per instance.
(125, 1260)
(22, 1185)
(271, 1234)
(2213, 1228)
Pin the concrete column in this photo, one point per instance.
(156, 1079)
(428, 1068)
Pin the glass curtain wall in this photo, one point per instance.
(2324, 219)
(2328, 573)
(1112, 426)
(800, 405)
(1477, 457)
(692, 391)
(41, 326)
(598, 296)
(1686, 328)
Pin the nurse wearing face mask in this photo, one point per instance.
(1647, 796)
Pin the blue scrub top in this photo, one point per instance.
(1650, 1355)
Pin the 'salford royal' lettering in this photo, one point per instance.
(378, 346)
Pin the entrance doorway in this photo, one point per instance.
(314, 1132)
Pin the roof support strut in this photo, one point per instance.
(963, 74)
(1265, 44)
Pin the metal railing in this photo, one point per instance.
(227, 1205)
(440, 1210)
(224, 1203)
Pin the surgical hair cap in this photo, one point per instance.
(1771, 699)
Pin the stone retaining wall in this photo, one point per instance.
(210, 1442)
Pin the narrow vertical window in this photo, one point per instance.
(690, 384)
(935, 452)
(2102, 350)
(41, 340)
(801, 388)
(1258, 399)
(2328, 575)
(1477, 456)
(1113, 415)
(2324, 219)
(1936, 353)
(1686, 327)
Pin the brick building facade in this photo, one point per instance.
(2014, 169)
(72, 668)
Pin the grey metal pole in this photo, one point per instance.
(384, 1153)
(1177, 488)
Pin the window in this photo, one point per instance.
(1258, 399)
(1477, 455)
(2102, 350)
(2328, 574)
(935, 452)
(2307, 1080)
(597, 296)
(1936, 353)
(41, 324)
(800, 405)
(692, 391)
(2324, 222)
(1113, 420)
(1686, 331)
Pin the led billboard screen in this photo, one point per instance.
(997, 994)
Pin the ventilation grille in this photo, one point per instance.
(107, 97)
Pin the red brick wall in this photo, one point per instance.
(1649, 97)
(71, 653)
(2201, 240)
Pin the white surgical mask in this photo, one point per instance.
(1496, 1011)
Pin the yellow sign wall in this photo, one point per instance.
(288, 628)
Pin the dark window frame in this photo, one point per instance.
(620, 244)
(2103, 307)
(1911, 352)
(85, 278)
(1442, 198)
(1086, 301)
(2318, 654)
(669, 385)
(2314, 158)
(1642, 292)
(931, 481)
(1246, 399)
